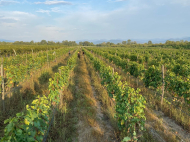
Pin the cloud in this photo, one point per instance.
(55, 2)
(119, 0)
(21, 13)
(43, 11)
(14, 16)
(116, 0)
(135, 19)
(56, 9)
(4, 19)
(7, 2)
(182, 2)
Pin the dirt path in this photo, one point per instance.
(104, 123)
(171, 126)
(92, 125)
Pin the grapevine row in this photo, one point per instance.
(16, 70)
(129, 103)
(32, 125)
(153, 76)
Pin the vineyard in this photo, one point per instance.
(109, 94)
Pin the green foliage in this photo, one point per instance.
(44, 78)
(153, 62)
(183, 70)
(129, 103)
(135, 69)
(32, 125)
(153, 77)
(7, 50)
(126, 139)
(29, 126)
(17, 69)
(146, 58)
(140, 60)
(176, 62)
(133, 57)
(178, 85)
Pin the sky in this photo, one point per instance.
(58, 20)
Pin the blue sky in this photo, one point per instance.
(26, 20)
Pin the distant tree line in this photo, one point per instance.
(86, 43)
(167, 44)
(43, 42)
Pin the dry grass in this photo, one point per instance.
(157, 124)
(64, 128)
(86, 106)
(79, 123)
(107, 105)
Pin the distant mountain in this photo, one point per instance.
(178, 39)
(101, 41)
(115, 41)
(6, 40)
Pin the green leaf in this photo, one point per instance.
(134, 133)
(126, 139)
(7, 120)
(19, 132)
(122, 122)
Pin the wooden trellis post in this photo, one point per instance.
(32, 53)
(3, 86)
(55, 55)
(162, 85)
(26, 58)
(14, 52)
(60, 91)
(47, 58)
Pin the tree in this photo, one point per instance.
(16, 42)
(43, 42)
(149, 42)
(168, 42)
(65, 42)
(80, 43)
(51, 43)
(21, 42)
(124, 42)
(104, 43)
(112, 44)
(128, 41)
(108, 43)
(32, 42)
(92, 44)
(58, 43)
